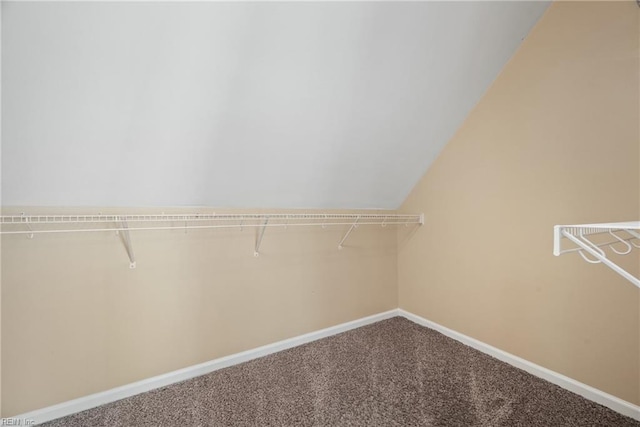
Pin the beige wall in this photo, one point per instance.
(77, 320)
(555, 140)
(0, 331)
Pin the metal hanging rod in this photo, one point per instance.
(622, 235)
(122, 224)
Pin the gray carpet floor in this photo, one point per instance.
(392, 373)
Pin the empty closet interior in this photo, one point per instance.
(320, 213)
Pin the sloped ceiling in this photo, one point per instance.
(296, 105)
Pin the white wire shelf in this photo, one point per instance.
(621, 235)
(122, 224)
(313, 219)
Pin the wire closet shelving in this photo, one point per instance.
(30, 225)
(622, 235)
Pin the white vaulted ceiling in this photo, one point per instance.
(296, 105)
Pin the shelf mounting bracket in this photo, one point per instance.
(126, 240)
(577, 234)
(354, 225)
(26, 223)
(256, 253)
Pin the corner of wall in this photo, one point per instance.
(482, 264)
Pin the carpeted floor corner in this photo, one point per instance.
(392, 373)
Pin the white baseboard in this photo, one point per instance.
(108, 396)
(621, 406)
(91, 401)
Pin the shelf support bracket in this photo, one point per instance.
(26, 223)
(126, 240)
(598, 255)
(256, 253)
(354, 225)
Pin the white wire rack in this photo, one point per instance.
(124, 223)
(622, 239)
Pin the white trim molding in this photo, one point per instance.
(93, 400)
(612, 402)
